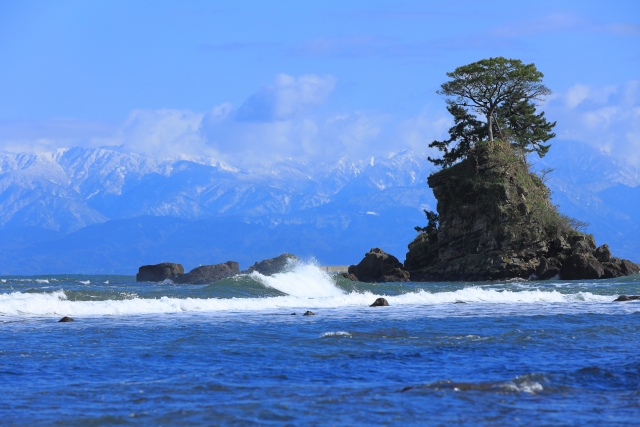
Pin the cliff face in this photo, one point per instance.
(496, 222)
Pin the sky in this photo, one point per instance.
(261, 81)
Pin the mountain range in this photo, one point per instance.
(107, 210)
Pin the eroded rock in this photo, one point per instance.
(627, 298)
(581, 266)
(209, 273)
(272, 266)
(496, 222)
(66, 319)
(379, 266)
(350, 276)
(159, 272)
(380, 302)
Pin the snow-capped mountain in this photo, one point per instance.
(109, 210)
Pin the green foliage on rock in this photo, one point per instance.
(504, 92)
(495, 182)
(432, 223)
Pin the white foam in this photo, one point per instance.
(56, 303)
(41, 281)
(3, 280)
(302, 280)
(335, 334)
(85, 282)
(307, 287)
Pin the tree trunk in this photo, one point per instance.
(489, 116)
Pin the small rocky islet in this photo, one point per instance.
(206, 274)
(495, 222)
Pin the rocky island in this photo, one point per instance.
(495, 219)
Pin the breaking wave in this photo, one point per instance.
(304, 286)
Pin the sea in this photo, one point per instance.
(241, 352)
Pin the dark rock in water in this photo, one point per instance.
(459, 302)
(309, 313)
(66, 319)
(272, 266)
(581, 266)
(159, 272)
(293, 314)
(350, 276)
(209, 273)
(378, 266)
(495, 221)
(627, 298)
(380, 302)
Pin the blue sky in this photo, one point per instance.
(259, 81)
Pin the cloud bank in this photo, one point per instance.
(605, 117)
(289, 119)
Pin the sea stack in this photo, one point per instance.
(496, 222)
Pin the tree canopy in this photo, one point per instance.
(503, 92)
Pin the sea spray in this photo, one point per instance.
(304, 280)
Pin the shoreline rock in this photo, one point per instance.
(627, 298)
(159, 272)
(272, 266)
(378, 266)
(206, 274)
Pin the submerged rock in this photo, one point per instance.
(209, 273)
(350, 276)
(66, 319)
(272, 266)
(379, 266)
(627, 298)
(309, 313)
(380, 302)
(159, 272)
(496, 222)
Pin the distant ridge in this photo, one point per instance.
(108, 210)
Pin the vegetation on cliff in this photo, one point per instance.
(495, 218)
(496, 221)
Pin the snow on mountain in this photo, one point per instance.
(104, 207)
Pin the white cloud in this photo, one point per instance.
(162, 134)
(606, 117)
(286, 97)
(418, 132)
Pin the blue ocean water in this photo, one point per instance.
(233, 353)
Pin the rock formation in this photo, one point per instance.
(159, 272)
(66, 319)
(627, 298)
(378, 266)
(209, 273)
(272, 266)
(496, 222)
(380, 302)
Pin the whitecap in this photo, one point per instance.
(335, 334)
